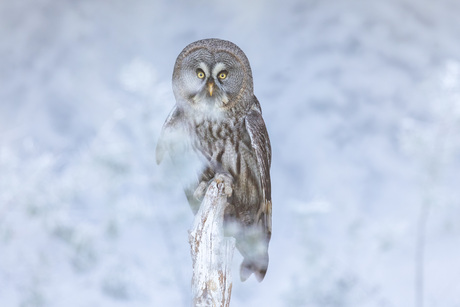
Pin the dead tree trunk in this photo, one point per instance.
(212, 253)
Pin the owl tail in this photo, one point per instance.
(257, 266)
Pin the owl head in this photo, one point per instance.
(212, 74)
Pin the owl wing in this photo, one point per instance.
(170, 128)
(174, 141)
(260, 142)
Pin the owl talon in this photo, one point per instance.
(200, 190)
(227, 181)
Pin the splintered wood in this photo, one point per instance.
(211, 251)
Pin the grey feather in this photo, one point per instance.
(171, 123)
(261, 145)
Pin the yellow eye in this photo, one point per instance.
(200, 74)
(222, 75)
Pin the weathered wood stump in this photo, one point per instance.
(212, 252)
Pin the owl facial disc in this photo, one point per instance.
(212, 91)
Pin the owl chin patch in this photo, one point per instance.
(207, 103)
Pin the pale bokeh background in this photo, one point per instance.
(362, 103)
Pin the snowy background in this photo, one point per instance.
(362, 103)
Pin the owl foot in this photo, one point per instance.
(227, 180)
(200, 191)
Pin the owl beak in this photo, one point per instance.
(210, 87)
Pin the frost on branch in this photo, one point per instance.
(211, 251)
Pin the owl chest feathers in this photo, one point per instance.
(216, 138)
(226, 145)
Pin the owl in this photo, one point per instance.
(216, 132)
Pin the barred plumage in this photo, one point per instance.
(218, 122)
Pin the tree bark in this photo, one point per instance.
(212, 252)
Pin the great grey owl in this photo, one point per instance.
(217, 130)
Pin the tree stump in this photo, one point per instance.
(212, 252)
